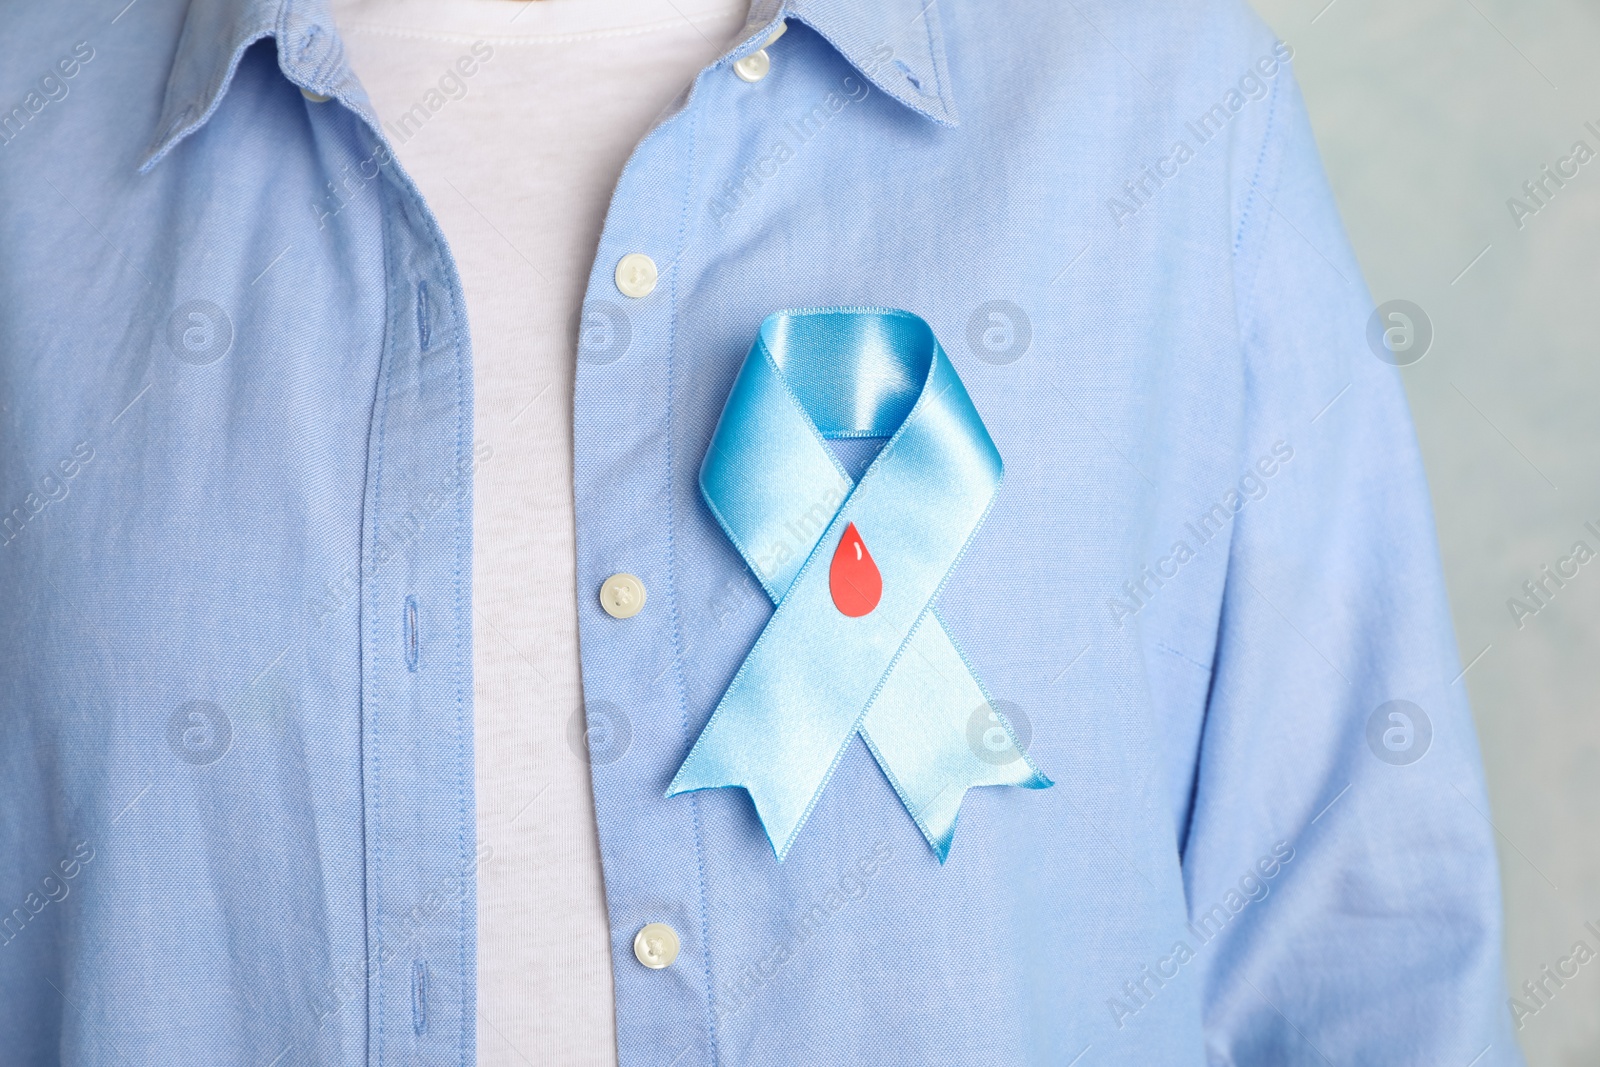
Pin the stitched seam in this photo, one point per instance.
(376, 837)
(332, 62)
(459, 336)
(672, 593)
(1255, 177)
(186, 124)
(933, 55)
(1181, 656)
(461, 340)
(1246, 301)
(898, 97)
(463, 345)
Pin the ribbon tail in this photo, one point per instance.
(936, 733)
(782, 787)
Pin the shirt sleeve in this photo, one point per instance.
(1339, 862)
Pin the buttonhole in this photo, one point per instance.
(412, 641)
(424, 325)
(419, 996)
(308, 41)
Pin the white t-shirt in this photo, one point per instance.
(518, 159)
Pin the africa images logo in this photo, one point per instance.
(199, 732)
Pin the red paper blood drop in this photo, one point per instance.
(853, 579)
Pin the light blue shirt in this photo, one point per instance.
(236, 759)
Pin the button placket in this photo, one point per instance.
(626, 472)
(417, 763)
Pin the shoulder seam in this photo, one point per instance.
(1245, 300)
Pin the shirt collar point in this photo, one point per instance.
(941, 109)
(897, 45)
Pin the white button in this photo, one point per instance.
(756, 65)
(656, 946)
(622, 596)
(753, 67)
(636, 275)
(315, 98)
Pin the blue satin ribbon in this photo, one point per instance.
(815, 676)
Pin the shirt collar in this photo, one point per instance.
(896, 44)
(214, 38)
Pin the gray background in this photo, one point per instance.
(1430, 115)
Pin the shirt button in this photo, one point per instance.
(622, 596)
(753, 67)
(636, 275)
(656, 946)
(315, 98)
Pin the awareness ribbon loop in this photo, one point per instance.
(824, 669)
